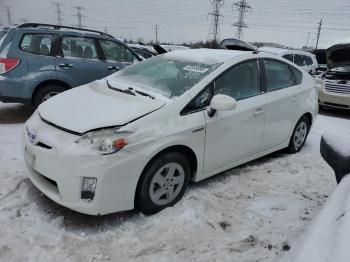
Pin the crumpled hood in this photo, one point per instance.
(338, 56)
(94, 106)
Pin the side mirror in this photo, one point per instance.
(221, 103)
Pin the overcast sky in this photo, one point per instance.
(286, 22)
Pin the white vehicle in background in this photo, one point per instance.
(305, 60)
(137, 138)
(334, 84)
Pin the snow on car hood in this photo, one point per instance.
(338, 56)
(94, 106)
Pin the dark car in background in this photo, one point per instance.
(38, 61)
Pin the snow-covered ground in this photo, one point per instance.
(252, 213)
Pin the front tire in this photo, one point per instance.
(299, 135)
(163, 183)
(45, 93)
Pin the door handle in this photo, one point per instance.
(66, 65)
(259, 112)
(198, 129)
(113, 68)
(295, 98)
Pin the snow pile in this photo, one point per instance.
(328, 238)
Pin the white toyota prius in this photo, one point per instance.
(138, 137)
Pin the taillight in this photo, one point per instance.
(7, 64)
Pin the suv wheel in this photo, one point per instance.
(299, 135)
(163, 183)
(46, 92)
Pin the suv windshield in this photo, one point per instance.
(169, 76)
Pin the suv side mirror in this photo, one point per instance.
(221, 103)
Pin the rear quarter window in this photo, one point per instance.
(41, 44)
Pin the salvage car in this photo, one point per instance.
(138, 137)
(334, 84)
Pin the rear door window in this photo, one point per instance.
(41, 44)
(278, 75)
(79, 47)
(117, 52)
(299, 60)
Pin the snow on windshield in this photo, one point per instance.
(169, 76)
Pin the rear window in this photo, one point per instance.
(2, 36)
(40, 44)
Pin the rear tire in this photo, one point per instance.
(163, 183)
(45, 93)
(299, 135)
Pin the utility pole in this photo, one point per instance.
(307, 40)
(319, 28)
(8, 12)
(214, 28)
(58, 11)
(242, 7)
(156, 27)
(79, 15)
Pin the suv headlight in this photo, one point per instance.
(106, 142)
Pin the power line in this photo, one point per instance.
(79, 15)
(58, 11)
(318, 32)
(242, 7)
(156, 27)
(214, 28)
(9, 15)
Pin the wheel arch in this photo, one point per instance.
(309, 116)
(182, 149)
(48, 82)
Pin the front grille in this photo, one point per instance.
(334, 87)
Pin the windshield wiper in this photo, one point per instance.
(125, 91)
(144, 94)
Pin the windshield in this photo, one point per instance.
(170, 77)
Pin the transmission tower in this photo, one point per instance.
(214, 28)
(319, 28)
(79, 15)
(9, 15)
(242, 7)
(156, 28)
(58, 11)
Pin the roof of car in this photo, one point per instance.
(204, 55)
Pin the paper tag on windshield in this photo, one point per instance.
(196, 69)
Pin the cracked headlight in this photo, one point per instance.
(106, 142)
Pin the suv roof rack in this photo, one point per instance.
(58, 27)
